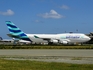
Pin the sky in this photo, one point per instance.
(47, 16)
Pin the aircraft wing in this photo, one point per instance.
(42, 38)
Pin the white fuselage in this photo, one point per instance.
(68, 37)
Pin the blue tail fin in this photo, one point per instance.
(16, 32)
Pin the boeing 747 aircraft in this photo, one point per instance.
(63, 38)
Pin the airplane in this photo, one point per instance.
(63, 38)
(5, 40)
(13, 40)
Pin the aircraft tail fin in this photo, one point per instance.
(15, 32)
(1, 38)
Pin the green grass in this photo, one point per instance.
(44, 47)
(36, 65)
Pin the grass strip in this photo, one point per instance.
(44, 47)
(37, 65)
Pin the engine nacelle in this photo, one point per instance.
(54, 41)
(64, 42)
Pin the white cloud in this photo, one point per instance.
(64, 7)
(51, 14)
(9, 12)
(38, 21)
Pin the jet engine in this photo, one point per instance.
(64, 42)
(54, 41)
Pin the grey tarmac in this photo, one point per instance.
(78, 56)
